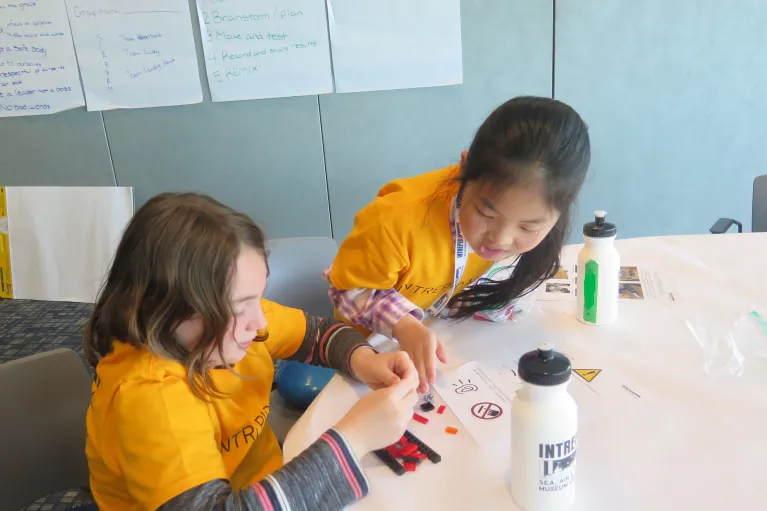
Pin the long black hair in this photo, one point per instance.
(524, 138)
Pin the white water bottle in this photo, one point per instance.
(544, 430)
(599, 267)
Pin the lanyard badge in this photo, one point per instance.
(461, 256)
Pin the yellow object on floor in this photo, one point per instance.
(6, 286)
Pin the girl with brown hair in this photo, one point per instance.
(183, 344)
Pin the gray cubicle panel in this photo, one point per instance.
(262, 157)
(373, 137)
(64, 149)
(673, 93)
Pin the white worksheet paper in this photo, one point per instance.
(395, 44)
(636, 284)
(38, 67)
(607, 383)
(256, 49)
(135, 53)
(480, 395)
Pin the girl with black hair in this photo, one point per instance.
(425, 243)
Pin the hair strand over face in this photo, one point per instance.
(175, 262)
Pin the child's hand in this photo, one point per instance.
(381, 370)
(380, 417)
(423, 347)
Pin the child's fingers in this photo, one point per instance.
(417, 360)
(389, 378)
(441, 352)
(412, 377)
(402, 365)
(421, 368)
(431, 366)
(410, 374)
(403, 387)
(410, 400)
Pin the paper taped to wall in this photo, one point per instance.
(38, 67)
(256, 49)
(135, 53)
(395, 44)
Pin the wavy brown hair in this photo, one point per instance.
(176, 260)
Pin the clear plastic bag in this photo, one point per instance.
(730, 344)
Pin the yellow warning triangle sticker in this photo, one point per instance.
(587, 374)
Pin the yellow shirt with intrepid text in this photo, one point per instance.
(403, 240)
(150, 439)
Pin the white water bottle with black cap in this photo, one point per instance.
(599, 266)
(544, 431)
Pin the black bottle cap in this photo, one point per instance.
(545, 367)
(599, 228)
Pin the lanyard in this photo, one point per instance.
(461, 256)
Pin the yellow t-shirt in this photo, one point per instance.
(150, 439)
(403, 240)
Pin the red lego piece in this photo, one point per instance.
(420, 418)
(400, 450)
(441, 409)
(410, 450)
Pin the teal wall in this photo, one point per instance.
(674, 95)
(669, 90)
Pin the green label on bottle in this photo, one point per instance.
(760, 322)
(590, 291)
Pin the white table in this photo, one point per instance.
(693, 442)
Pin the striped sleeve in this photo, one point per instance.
(329, 343)
(327, 476)
(374, 309)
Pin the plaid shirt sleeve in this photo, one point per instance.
(378, 310)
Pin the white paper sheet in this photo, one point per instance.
(258, 49)
(603, 380)
(38, 68)
(135, 53)
(637, 284)
(62, 239)
(395, 44)
(480, 395)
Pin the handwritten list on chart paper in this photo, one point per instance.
(256, 49)
(38, 68)
(135, 53)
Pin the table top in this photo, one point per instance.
(695, 440)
